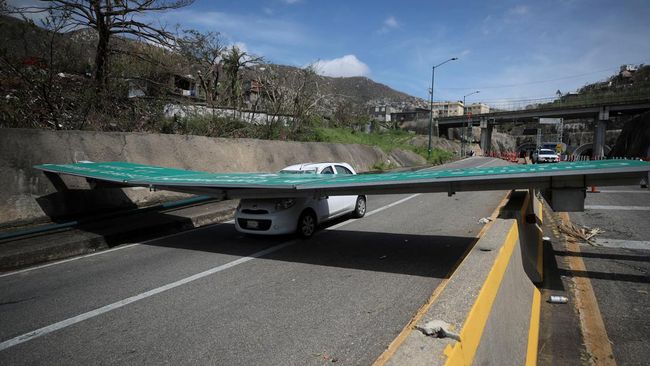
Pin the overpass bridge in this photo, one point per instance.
(599, 108)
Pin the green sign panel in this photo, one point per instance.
(138, 174)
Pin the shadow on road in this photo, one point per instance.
(416, 255)
(624, 257)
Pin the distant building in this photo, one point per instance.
(408, 116)
(447, 109)
(477, 108)
(383, 113)
(630, 68)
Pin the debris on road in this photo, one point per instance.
(578, 234)
(439, 329)
(383, 257)
(558, 299)
(484, 220)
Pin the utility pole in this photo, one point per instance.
(433, 74)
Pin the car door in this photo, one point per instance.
(342, 204)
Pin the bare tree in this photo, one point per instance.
(234, 61)
(273, 97)
(305, 96)
(39, 75)
(109, 18)
(204, 51)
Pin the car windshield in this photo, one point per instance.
(287, 171)
(547, 152)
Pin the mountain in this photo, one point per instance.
(22, 40)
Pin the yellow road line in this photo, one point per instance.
(595, 336)
(462, 353)
(401, 337)
(533, 329)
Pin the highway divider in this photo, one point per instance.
(488, 312)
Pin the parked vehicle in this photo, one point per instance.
(299, 215)
(545, 156)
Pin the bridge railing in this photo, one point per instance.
(574, 100)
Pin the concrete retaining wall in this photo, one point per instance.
(28, 196)
(491, 300)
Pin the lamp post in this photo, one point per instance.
(463, 130)
(433, 74)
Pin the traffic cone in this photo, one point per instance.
(594, 190)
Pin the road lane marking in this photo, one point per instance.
(116, 305)
(621, 208)
(625, 244)
(408, 328)
(29, 269)
(616, 191)
(596, 341)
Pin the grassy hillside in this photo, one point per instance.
(387, 141)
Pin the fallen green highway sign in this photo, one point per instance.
(561, 177)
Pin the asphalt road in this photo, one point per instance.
(619, 267)
(213, 296)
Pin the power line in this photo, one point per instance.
(532, 82)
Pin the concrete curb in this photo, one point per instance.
(35, 249)
(490, 301)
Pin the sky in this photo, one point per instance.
(506, 49)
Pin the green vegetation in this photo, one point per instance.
(386, 140)
(381, 166)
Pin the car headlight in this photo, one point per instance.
(285, 204)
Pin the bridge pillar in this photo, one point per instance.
(486, 136)
(600, 128)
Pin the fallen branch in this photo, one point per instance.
(580, 234)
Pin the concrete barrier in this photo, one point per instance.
(27, 196)
(490, 302)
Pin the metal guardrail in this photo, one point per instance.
(73, 223)
(576, 101)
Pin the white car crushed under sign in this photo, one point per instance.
(299, 215)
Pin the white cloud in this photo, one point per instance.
(389, 24)
(252, 29)
(241, 46)
(518, 10)
(291, 1)
(346, 66)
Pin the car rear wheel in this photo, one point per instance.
(360, 207)
(306, 224)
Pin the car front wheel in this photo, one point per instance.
(306, 224)
(360, 207)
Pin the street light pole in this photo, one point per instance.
(464, 131)
(433, 74)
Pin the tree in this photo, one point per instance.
(234, 61)
(110, 18)
(204, 51)
(305, 95)
(40, 76)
